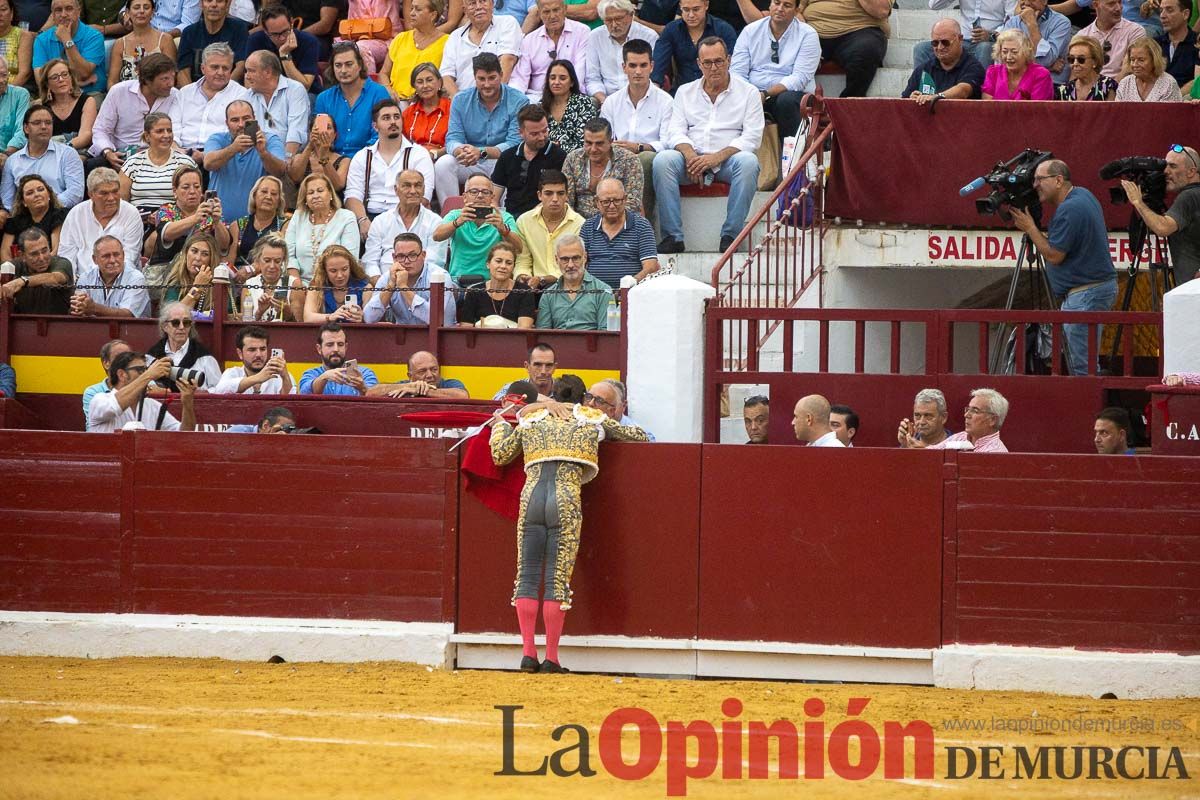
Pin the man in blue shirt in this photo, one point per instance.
(14, 102)
(235, 160)
(1049, 31)
(1110, 433)
(677, 44)
(215, 25)
(172, 16)
(298, 51)
(274, 420)
(81, 46)
(351, 101)
(404, 288)
(333, 377)
(56, 162)
(424, 380)
(483, 124)
(1078, 264)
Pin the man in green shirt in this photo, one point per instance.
(577, 302)
(473, 229)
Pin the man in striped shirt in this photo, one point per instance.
(982, 419)
(619, 242)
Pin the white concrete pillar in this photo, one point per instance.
(1181, 329)
(665, 367)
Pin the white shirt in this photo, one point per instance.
(244, 10)
(796, 62)
(383, 174)
(195, 118)
(134, 298)
(121, 120)
(206, 364)
(503, 38)
(106, 415)
(81, 229)
(286, 113)
(604, 73)
(377, 259)
(232, 377)
(828, 440)
(645, 123)
(734, 120)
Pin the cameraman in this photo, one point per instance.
(1181, 223)
(127, 402)
(1078, 264)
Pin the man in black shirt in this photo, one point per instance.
(1178, 42)
(1181, 223)
(952, 73)
(518, 168)
(42, 278)
(320, 18)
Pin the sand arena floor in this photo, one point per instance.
(179, 728)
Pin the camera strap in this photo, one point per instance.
(367, 180)
(162, 415)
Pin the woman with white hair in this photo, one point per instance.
(1015, 75)
(180, 344)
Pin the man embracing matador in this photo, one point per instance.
(561, 446)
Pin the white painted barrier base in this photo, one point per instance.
(235, 638)
(1130, 676)
(1133, 676)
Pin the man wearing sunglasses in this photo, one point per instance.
(1181, 223)
(949, 72)
(274, 420)
(779, 55)
(609, 396)
(127, 402)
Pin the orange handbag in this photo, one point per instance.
(373, 28)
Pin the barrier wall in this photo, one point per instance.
(1175, 419)
(880, 548)
(931, 154)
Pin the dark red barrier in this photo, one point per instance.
(1077, 551)
(60, 522)
(637, 568)
(1175, 420)
(930, 156)
(14, 414)
(821, 546)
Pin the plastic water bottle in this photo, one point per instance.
(247, 305)
(709, 177)
(614, 315)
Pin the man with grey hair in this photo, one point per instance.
(105, 215)
(604, 71)
(1181, 222)
(14, 102)
(109, 287)
(214, 26)
(928, 424)
(280, 104)
(577, 301)
(200, 109)
(982, 419)
(810, 422)
(610, 396)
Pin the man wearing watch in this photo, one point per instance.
(474, 228)
(483, 123)
(81, 46)
(951, 72)
(298, 50)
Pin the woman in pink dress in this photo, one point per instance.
(1015, 75)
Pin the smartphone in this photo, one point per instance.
(350, 301)
(251, 129)
(482, 212)
(276, 352)
(210, 195)
(352, 364)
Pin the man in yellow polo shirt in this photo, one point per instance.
(541, 227)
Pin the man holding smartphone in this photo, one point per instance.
(263, 371)
(237, 158)
(473, 229)
(336, 375)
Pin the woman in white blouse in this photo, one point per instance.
(319, 221)
(1148, 80)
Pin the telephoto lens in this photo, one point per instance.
(193, 375)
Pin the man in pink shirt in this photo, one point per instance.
(1114, 33)
(558, 37)
(982, 419)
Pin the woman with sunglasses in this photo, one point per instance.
(1148, 80)
(1086, 83)
(1015, 75)
(180, 344)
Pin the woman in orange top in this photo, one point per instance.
(427, 120)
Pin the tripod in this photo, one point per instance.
(1031, 264)
(1139, 234)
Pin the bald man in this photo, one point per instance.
(810, 421)
(947, 70)
(424, 380)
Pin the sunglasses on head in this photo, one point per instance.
(1178, 148)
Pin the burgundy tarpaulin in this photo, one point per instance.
(895, 162)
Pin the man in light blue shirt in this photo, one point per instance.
(56, 162)
(779, 55)
(110, 288)
(81, 46)
(1050, 29)
(404, 289)
(280, 104)
(172, 16)
(14, 102)
(351, 101)
(235, 161)
(334, 376)
(483, 124)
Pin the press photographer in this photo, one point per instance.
(127, 402)
(1078, 265)
(1181, 223)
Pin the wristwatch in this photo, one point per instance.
(483, 154)
(287, 57)
(68, 44)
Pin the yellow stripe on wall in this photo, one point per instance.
(73, 374)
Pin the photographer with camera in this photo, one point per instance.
(1181, 223)
(127, 402)
(1078, 264)
(180, 347)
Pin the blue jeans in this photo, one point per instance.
(740, 171)
(1095, 298)
(923, 51)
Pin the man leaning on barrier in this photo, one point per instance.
(424, 380)
(1181, 223)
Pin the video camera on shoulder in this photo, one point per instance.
(1149, 173)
